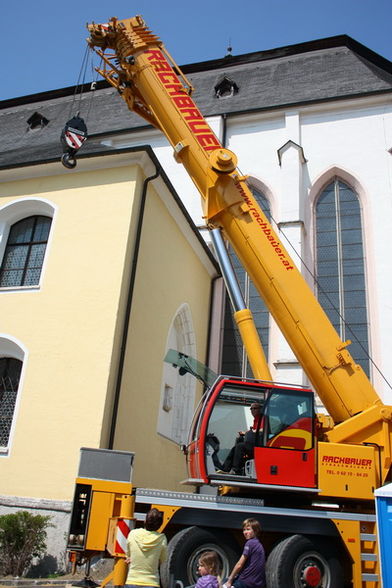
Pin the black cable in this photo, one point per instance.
(320, 289)
(92, 87)
(82, 73)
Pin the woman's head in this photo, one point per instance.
(154, 519)
(209, 563)
(254, 526)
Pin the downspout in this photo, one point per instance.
(224, 130)
(128, 308)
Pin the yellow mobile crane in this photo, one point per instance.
(307, 462)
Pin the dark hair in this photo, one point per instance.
(154, 519)
(210, 560)
(255, 525)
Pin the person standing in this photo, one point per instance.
(146, 550)
(249, 571)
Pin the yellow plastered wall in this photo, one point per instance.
(178, 276)
(71, 326)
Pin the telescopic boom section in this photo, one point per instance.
(137, 64)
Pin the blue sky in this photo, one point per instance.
(43, 42)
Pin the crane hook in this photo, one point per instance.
(73, 135)
(68, 160)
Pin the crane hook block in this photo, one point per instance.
(73, 136)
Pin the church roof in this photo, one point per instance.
(336, 68)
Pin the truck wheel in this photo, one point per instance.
(184, 551)
(297, 562)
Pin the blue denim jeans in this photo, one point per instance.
(239, 584)
(138, 586)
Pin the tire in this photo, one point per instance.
(184, 551)
(298, 562)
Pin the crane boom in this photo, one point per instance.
(139, 67)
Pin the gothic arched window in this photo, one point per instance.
(340, 266)
(234, 361)
(178, 391)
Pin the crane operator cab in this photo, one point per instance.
(250, 432)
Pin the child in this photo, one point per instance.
(209, 566)
(249, 571)
(146, 550)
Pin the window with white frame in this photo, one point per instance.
(234, 360)
(25, 252)
(11, 363)
(25, 226)
(10, 370)
(340, 266)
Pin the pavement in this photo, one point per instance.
(66, 581)
(31, 582)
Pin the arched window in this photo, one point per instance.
(340, 266)
(25, 251)
(10, 369)
(234, 360)
(178, 391)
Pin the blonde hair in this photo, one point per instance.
(210, 560)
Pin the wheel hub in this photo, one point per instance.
(312, 576)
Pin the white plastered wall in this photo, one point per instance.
(350, 138)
